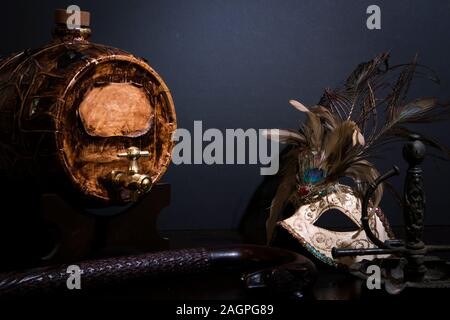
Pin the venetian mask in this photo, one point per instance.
(314, 196)
(319, 240)
(338, 137)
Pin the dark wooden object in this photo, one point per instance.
(279, 272)
(47, 137)
(44, 229)
(414, 209)
(81, 235)
(410, 265)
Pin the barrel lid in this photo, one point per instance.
(61, 17)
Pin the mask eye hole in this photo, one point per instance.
(336, 220)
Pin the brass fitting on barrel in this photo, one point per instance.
(132, 180)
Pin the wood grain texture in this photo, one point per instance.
(45, 134)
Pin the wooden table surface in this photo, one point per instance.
(331, 284)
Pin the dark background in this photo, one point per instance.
(236, 63)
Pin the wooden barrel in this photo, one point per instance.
(68, 109)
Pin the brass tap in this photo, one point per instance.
(132, 180)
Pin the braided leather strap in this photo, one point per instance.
(107, 271)
(274, 265)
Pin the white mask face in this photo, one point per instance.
(319, 241)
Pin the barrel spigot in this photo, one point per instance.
(132, 180)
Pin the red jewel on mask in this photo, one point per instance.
(303, 191)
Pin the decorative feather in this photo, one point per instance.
(283, 193)
(297, 105)
(285, 136)
(313, 131)
(327, 118)
(346, 128)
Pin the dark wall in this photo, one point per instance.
(236, 63)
